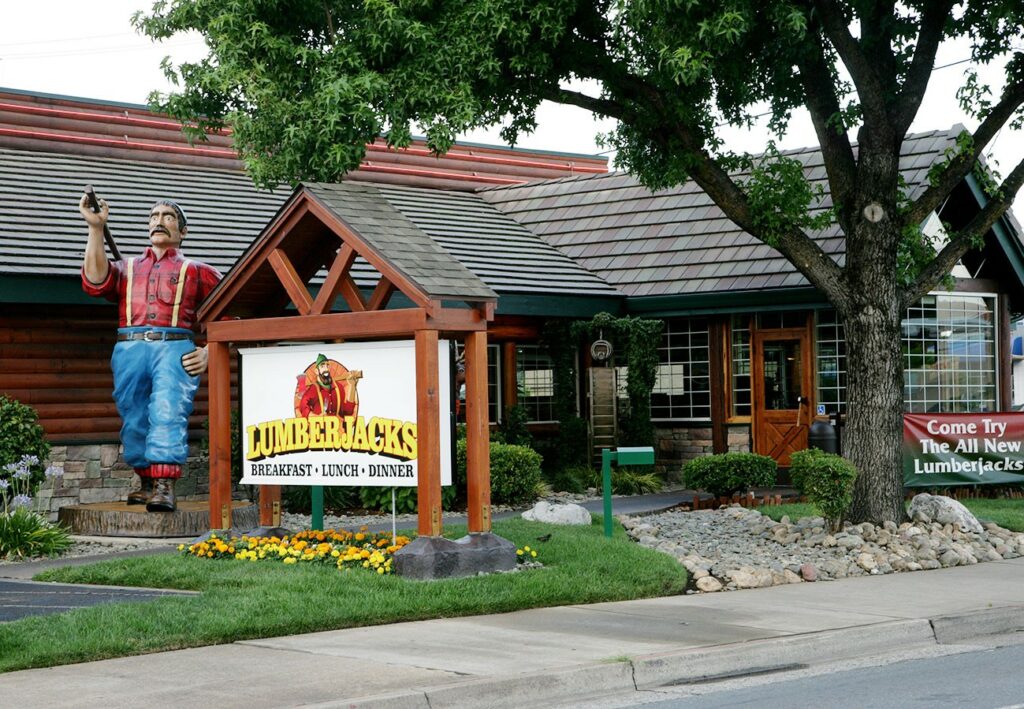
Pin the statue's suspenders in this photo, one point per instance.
(177, 293)
(128, 295)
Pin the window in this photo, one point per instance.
(739, 366)
(949, 356)
(682, 389)
(493, 384)
(535, 381)
(830, 347)
(949, 351)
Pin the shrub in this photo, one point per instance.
(513, 429)
(573, 479)
(23, 533)
(299, 498)
(826, 479)
(378, 499)
(22, 446)
(629, 481)
(722, 475)
(515, 473)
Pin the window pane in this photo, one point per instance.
(535, 380)
(682, 389)
(740, 366)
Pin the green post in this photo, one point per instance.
(317, 501)
(607, 455)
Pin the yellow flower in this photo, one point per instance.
(380, 569)
(526, 548)
(290, 560)
(519, 552)
(181, 547)
(533, 554)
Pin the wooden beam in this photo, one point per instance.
(478, 457)
(381, 294)
(225, 294)
(367, 251)
(289, 278)
(335, 277)
(451, 320)
(387, 323)
(718, 334)
(220, 436)
(428, 435)
(352, 294)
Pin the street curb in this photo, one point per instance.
(778, 653)
(990, 621)
(652, 671)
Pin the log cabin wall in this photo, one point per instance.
(56, 359)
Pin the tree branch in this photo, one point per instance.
(600, 106)
(823, 104)
(802, 251)
(958, 167)
(869, 88)
(961, 242)
(933, 21)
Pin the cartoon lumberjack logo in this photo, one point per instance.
(327, 388)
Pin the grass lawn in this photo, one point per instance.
(243, 600)
(1008, 514)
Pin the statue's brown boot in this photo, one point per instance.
(163, 497)
(164, 474)
(145, 491)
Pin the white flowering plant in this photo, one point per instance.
(23, 531)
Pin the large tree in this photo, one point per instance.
(305, 84)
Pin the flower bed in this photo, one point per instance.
(344, 549)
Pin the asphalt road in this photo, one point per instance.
(988, 678)
(19, 599)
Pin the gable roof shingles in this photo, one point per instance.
(631, 222)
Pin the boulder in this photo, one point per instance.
(709, 584)
(944, 510)
(570, 514)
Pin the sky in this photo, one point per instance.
(90, 50)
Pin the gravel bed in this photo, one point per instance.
(734, 548)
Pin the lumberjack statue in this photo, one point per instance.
(155, 363)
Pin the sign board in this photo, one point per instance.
(963, 449)
(331, 414)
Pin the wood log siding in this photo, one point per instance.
(57, 360)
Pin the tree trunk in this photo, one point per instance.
(873, 434)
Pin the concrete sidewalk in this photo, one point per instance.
(554, 655)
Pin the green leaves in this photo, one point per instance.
(780, 197)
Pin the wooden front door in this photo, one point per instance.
(781, 380)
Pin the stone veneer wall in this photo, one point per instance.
(680, 444)
(98, 473)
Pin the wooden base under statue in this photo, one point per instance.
(118, 519)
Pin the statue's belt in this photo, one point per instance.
(153, 336)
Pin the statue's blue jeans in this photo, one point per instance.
(154, 395)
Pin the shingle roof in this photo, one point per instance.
(400, 242)
(677, 241)
(41, 232)
(506, 256)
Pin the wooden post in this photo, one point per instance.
(220, 435)
(270, 505)
(509, 388)
(428, 435)
(478, 457)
